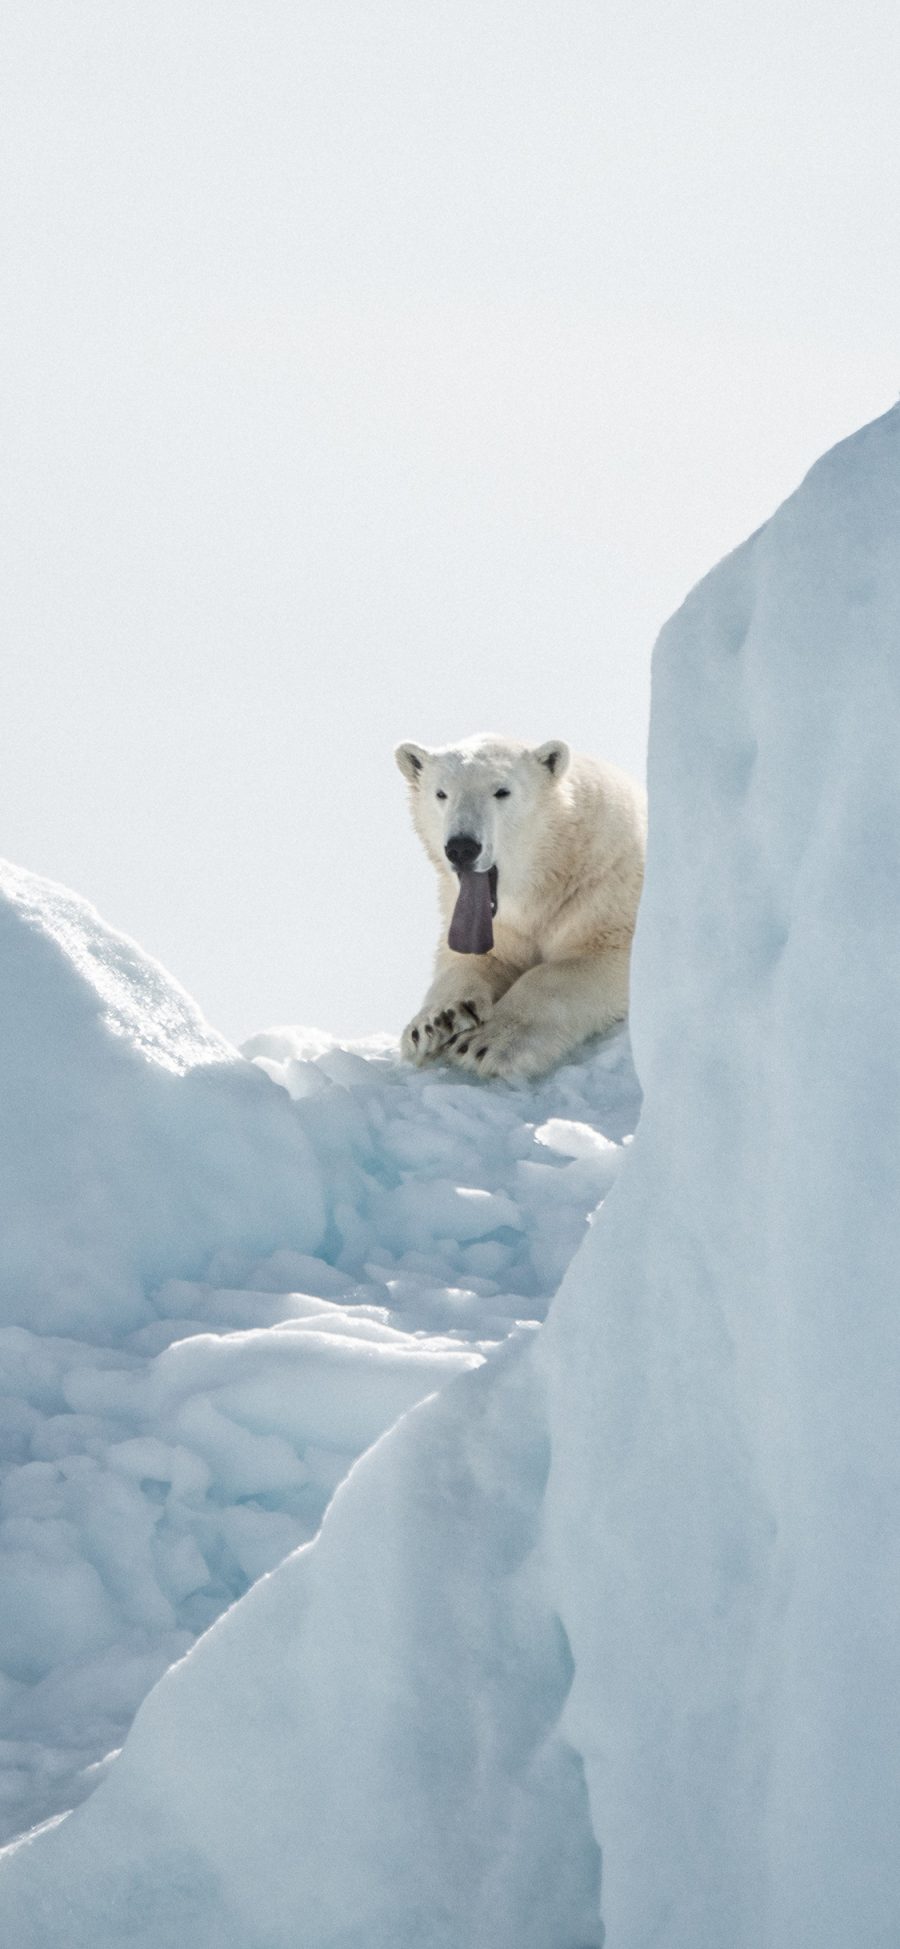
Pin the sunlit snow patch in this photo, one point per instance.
(138, 999)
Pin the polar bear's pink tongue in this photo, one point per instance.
(471, 929)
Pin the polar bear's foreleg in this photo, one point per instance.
(545, 1015)
(461, 997)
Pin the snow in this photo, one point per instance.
(411, 1645)
(218, 1293)
(625, 1584)
(723, 1360)
(135, 1142)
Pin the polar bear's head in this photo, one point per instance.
(479, 807)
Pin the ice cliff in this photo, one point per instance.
(724, 1357)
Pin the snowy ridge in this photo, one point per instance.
(191, 1435)
(134, 996)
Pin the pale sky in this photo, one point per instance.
(388, 370)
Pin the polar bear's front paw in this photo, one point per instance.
(499, 1048)
(429, 1034)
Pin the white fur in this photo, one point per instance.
(568, 844)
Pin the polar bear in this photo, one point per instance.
(540, 860)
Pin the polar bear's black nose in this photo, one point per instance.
(462, 850)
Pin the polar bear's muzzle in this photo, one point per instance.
(471, 927)
(462, 850)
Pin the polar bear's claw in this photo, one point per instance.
(503, 1047)
(431, 1034)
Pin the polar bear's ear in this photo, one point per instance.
(411, 758)
(553, 756)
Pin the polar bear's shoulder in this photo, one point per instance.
(605, 801)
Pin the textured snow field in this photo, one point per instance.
(189, 1434)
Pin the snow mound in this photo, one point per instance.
(226, 1292)
(135, 1140)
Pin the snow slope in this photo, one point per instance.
(217, 1293)
(364, 1751)
(633, 1582)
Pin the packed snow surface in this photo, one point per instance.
(222, 1281)
(626, 1585)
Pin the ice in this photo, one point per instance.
(724, 1356)
(414, 1647)
(222, 1297)
(135, 1140)
(624, 1585)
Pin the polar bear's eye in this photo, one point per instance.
(503, 792)
(440, 795)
